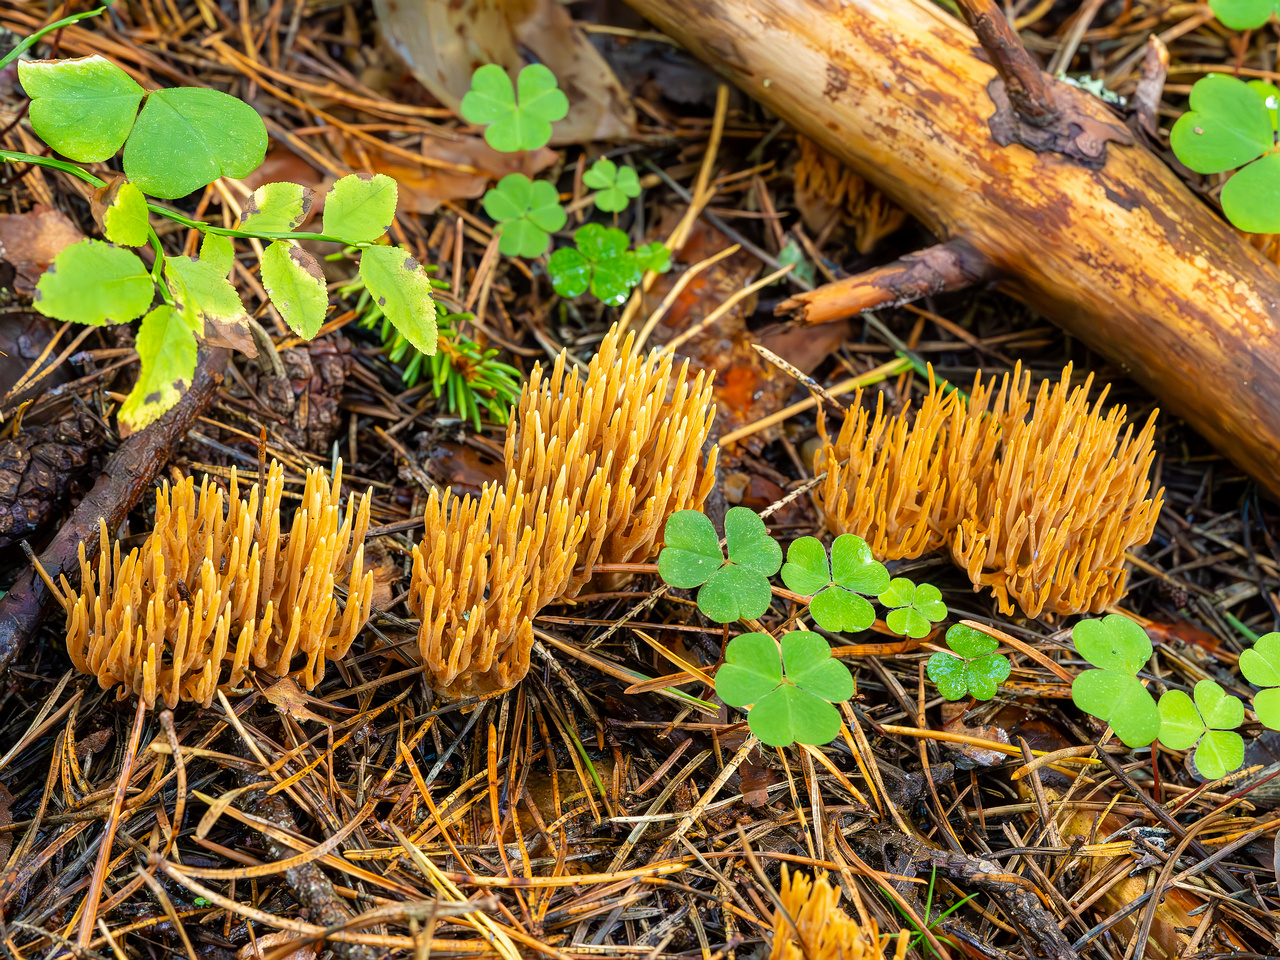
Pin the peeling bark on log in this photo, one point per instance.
(1084, 224)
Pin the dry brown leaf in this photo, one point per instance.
(443, 41)
(30, 241)
(273, 943)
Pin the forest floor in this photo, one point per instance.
(585, 863)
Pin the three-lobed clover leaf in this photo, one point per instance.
(976, 668)
(1207, 723)
(1260, 665)
(600, 262)
(729, 590)
(526, 212)
(653, 256)
(1232, 124)
(1243, 14)
(616, 186)
(838, 588)
(919, 607)
(1118, 648)
(790, 693)
(519, 117)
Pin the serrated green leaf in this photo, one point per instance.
(790, 715)
(691, 551)
(969, 642)
(187, 137)
(807, 662)
(1243, 14)
(1260, 664)
(1180, 723)
(806, 570)
(519, 118)
(283, 207)
(126, 222)
(360, 207)
(838, 610)
(527, 212)
(1218, 753)
(734, 592)
(1121, 700)
(219, 251)
(752, 668)
(204, 292)
(93, 282)
(1113, 642)
(1251, 198)
(1266, 704)
(82, 108)
(749, 543)
(1219, 710)
(854, 568)
(1227, 126)
(167, 351)
(570, 272)
(402, 289)
(985, 674)
(948, 674)
(296, 284)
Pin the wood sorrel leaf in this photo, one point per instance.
(1251, 198)
(1218, 753)
(1113, 642)
(1266, 704)
(752, 668)
(283, 207)
(1180, 723)
(806, 570)
(518, 118)
(734, 592)
(527, 212)
(570, 272)
(949, 675)
(167, 351)
(360, 207)
(985, 674)
(807, 662)
(854, 568)
(96, 283)
(616, 185)
(82, 108)
(296, 284)
(1121, 700)
(1218, 709)
(187, 137)
(126, 222)
(749, 542)
(1227, 126)
(838, 610)
(969, 642)
(400, 286)
(1243, 14)
(791, 715)
(921, 607)
(1260, 664)
(691, 551)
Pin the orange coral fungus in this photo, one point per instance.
(1065, 501)
(826, 189)
(821, 930)
(595, 466)
(212, 594)
(887, 483)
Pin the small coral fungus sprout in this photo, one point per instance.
(214, 592)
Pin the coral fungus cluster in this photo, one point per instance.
(1041, 510)
(811, 926)
(215, 591)
(595, 465)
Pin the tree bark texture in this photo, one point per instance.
(1079, 220)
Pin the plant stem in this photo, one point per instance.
(158, 267)
(26, 44)
(71, 168)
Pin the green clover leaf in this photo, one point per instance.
(976, 669)
(519, 117)
(1220, 710)
(527, 212)
(600, 262)
(733, 590)
(1260, 665)
(1227, 126)
(1180, 724)
(616, 186)
(1219, 752)
(792, 692)
(919, 607)
(1270, 95)
(1209, 721)
(653, 256)
(1119, 648)
(835, 587)
(1243, 14)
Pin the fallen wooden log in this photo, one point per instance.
(1041, 179)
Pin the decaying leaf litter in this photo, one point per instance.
(632, 822)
